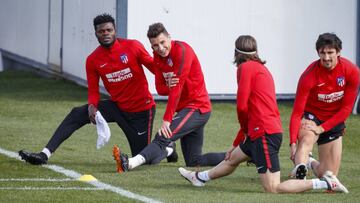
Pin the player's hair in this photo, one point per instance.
(246, 50)
(328, 40)
(103, 18)
(156, 29)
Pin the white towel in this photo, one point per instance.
(103, 130)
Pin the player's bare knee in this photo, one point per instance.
(270, 188)
(306, 142)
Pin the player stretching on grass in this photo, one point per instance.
(189, 98)
(261, 133)
(118, 62)
(325, 96)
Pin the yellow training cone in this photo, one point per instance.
(87, 178)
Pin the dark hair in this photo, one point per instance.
(328, 40)
(155, 30)
(247, 44)
(103, 18)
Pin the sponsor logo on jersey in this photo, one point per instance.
(124, 58)
(169, 62)
(120, 75)
(329, 98)
(340, 81)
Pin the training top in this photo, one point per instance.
(190, 92)
(328, 94)
(120, 69)
(257, 109)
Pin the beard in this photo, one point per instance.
(106, 44)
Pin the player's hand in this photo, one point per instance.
(311, 126)
(172, 81)
(292, 152)
(165, 129)
(228, 153)
(92, 112)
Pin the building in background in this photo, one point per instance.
(57, 35)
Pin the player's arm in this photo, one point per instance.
(244, 76)
(160, 83)
(181, 65)
(93, 89)
(144, 57)
(302, 94)
(350, 93)
(240, 137)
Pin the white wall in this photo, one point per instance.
(24, 28)
(286, 31)
(55, 33)
(78, 32)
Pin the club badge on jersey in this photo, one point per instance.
(169, 62)
(124, 59)
(340, 81)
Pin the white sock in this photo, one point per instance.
(169, 151)
(47, 152)
(136, 161)
(319, 184)
(204, 175)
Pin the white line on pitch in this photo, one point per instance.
(98, 184)
(36, 180)
(51, 188)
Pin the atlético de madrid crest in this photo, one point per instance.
(340, 81)
(124, 58)
(169, 62)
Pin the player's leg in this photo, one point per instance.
(330, 150)
(306, 141)
(191, 146)
(266, 157)
(328, 182)
(224, 168)
(137, 128)
(329, 157)
(271, 183)
(77, 117)
(184, 122)
(156, 150)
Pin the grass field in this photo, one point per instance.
(32, 107)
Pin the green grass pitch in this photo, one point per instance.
(32, 107)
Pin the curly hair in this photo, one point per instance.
(103, 18)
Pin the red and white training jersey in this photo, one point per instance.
(328, 94)
(120, 69)
(190, 92)
(256, 102)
